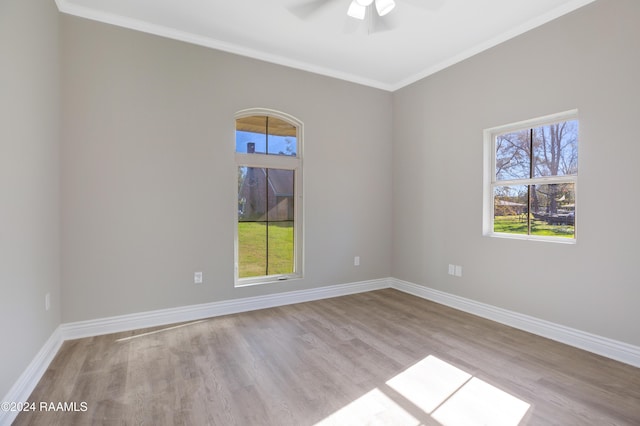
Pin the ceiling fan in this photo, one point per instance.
(358, 8)
(357, 11)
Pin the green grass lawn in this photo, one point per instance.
(518, 225)
(253, 244)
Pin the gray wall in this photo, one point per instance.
(590, 60)
(149, 181)
(147, 173)
(29, 194)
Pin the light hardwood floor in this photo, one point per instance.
(382, 357)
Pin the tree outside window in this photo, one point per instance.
(533, 179)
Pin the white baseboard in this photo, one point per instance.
(26, 383)
(77, 330)
(609, 348)
(613, 349)
(22, 389)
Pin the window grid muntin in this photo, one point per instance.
(491, 181)
(269, 217)
(288, 162)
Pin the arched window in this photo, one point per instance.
(269, 213)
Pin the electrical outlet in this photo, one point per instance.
(47, 301)
(356, 261)
(455, 270)
(197, 277)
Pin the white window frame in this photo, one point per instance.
(489, 177)
(274, 162)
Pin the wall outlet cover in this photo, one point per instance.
(458, 271)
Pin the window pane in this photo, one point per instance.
(266, 135)
(280, 246)
(280, 194)
(252, 249)
(512, 155)
(282, 137)
(510, 209)
(553, 210)
(251, 134)
(265, 221)
(252, 194)
(555, 149)
(281, 215)
(250, 143)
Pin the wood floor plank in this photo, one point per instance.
(334, 361)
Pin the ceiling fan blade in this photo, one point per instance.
(372, 23)
(307, 9)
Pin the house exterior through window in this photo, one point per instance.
(269, 210)
(531, 178)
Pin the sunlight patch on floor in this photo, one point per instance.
(479, 403)
(375, 408)
(440, 391)
(428, 383)
(162, 330)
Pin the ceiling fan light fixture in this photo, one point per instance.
(363, 3)
(356, 10)
(384, 6)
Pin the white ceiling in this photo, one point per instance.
(418, 38)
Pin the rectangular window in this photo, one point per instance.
(269, 228)
(531, 173)
(265, 222)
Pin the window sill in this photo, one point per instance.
(557, 240)
(248, 282)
